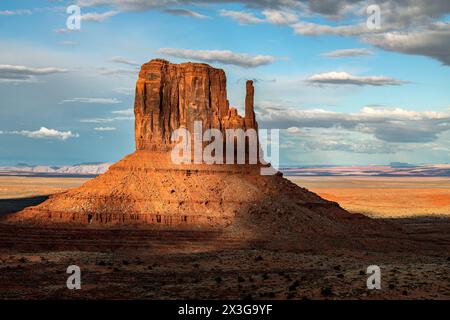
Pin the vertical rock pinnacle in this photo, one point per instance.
(249, 106)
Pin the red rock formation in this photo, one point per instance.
(146, 187)
(250, 121)
(169, 96)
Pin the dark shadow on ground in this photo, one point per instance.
(17, 204)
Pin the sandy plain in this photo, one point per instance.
(384, 197)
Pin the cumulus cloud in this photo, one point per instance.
(15, 74)
(92, 100)
(315, 29)
(98, 17)
(405, 11)
(44, 133)
(185, 13)
(433, 42)
(129, 5)
(219, 56)
(386, 124)
(329, 7)
(280, 17)
(241, 17)
(337, 139)
(396, 125)
(343, 53)
(408, 26)
(344, 78)
(274, 16)
(122, 60)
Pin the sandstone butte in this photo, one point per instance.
(146, 188)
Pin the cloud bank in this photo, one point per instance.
(44, 133)
(17, 74)
(219, 56)
(344, 78)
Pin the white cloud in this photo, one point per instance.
(399, 113)
(44, 133)
(15, 12)
(186, 13)
(342, 53)
(405, 12)
(337, 139)
(123, 115)
(280, 17)
(386, 124)
(220, 56)
(15, 74)
(129, 5)
(106, 120)
(344, 78)
(104, 129)
(123, 60)
(314, 29)
(407, 26)
(98, 17)
(293, 130)
(117, 72)
(433, 42)
(241, 17)
(92, 100)
(274, 16)
(125, 112)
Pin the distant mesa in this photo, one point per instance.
(146, 188)
(401, 165)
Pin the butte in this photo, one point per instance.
(147, 189)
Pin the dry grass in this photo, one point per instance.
(383, 197)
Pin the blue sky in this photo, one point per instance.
(341, 93)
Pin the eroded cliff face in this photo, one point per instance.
(170, 96)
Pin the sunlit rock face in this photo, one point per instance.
(170, 96)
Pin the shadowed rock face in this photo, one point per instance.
(170, 96)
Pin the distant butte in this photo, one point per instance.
(146, 188)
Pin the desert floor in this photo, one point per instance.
(384, 197)
(150, 264)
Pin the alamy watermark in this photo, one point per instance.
(74, 280)
(374, 280)
(234, 146)
(373, 21)
(73, 21)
